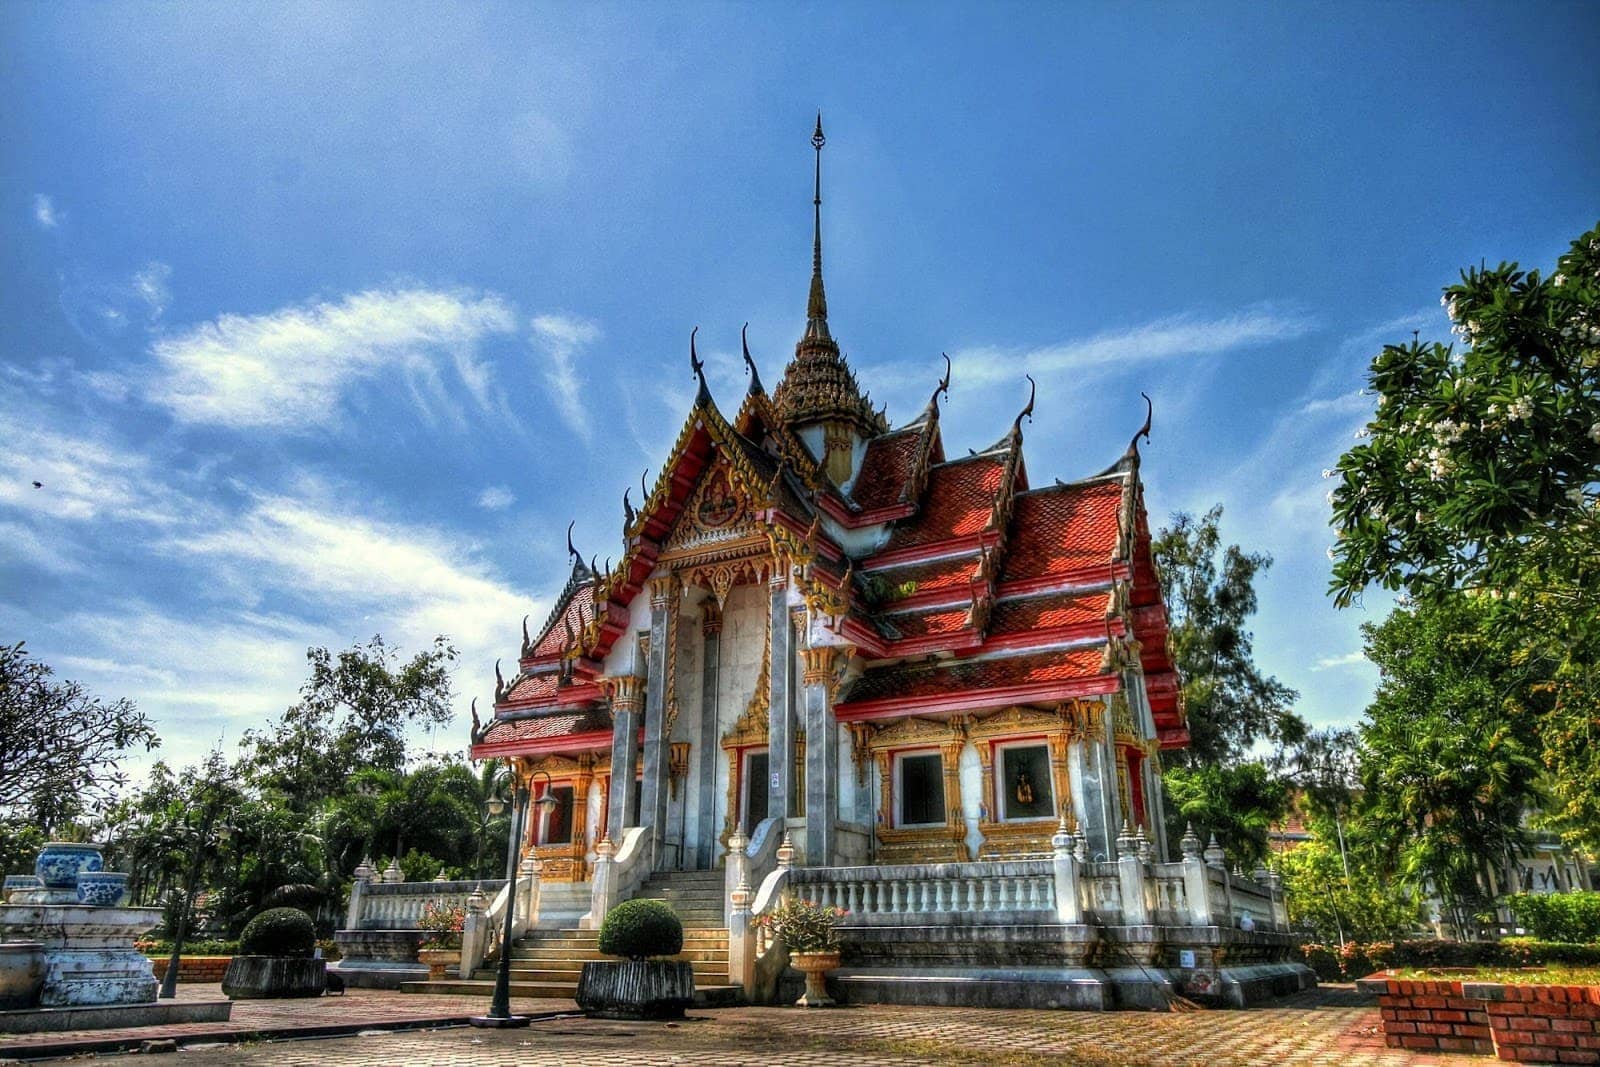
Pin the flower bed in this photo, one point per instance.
(1535, 1019)
(194, 968)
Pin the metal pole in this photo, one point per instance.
(499, 1015)
(169, 981)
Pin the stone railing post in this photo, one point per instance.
(1069, 903)
(392, 874)
(474, 931)
(741, 938)
(1130, 879)
(602, 886)
(1196, 886)
(737, 871)
(786, 852)
(528, 872)
(1280, 905)
(358, 889)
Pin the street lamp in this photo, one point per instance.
(499, 1016)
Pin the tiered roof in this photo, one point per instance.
(984, 591)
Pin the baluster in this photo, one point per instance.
(894, 897)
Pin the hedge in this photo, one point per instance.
(280, 932)
(1572, 917)
(640, 929)
(1358, 959)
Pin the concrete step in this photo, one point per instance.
(535, 955)
(705, 996)
(554, 972)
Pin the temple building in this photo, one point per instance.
(818, 618)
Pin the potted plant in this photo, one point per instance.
(276, 958)
(443, 923)
(809, 931)
(642, 985)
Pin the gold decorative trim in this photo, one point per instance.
(625, 690)
(920, 844)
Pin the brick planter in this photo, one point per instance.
(194, 968)
(1521, 1023)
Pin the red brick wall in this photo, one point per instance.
(195, 968)
(1525, 1024)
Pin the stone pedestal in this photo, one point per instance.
(89, 953)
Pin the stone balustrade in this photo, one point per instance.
(398, 905)
(939, 892)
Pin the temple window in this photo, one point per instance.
(556, 827)
(1024, 785)
(920, 788)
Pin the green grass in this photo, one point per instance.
(1552, 975)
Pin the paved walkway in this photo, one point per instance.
(361, 1009)
(1332, 1026)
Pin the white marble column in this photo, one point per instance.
(653, 786)
(705, 760)
(627, 697)
(780, 709)
(822, 756)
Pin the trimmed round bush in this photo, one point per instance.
(287, 933)
(640, 929)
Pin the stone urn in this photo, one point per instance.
(437, 960)
(60, 863)
(636, 989)
(17, 885)
(815, 966)
(102, 889)
(21, 974)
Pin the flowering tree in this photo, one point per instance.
(1479, 473)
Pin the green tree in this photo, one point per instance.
(1238, 803)
(1332, 904)
(60, 746)
(352, 715)
(1479, 472)
(1210, 596)
(1448, 763)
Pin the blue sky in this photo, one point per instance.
(324, 320)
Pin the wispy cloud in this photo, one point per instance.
(1349, 659)
(289, 370)
(559, 338)
(496, 498)
(44, 212)
(81, 478)
(1165, 338)
(151, 286)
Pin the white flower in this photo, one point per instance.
(1327, 472)
(1332, 554)
(1363, 433)
(1330, 496)
(1519, 409)
(1594, 433)
(1383, 401)
(1421, 518)
(1559, 280)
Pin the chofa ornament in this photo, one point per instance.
(60, 863)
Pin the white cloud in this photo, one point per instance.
(559, 338)
(81, 478)
(289, 369)
(1349, 659)
(44, 212)
(496, 498)
(1165, 338)
(150, 284)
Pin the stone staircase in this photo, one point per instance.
(547, 963)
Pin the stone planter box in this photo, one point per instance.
(1518, 1023)
(438, 960)
(636, 989)
(263, 977)
(196, 969)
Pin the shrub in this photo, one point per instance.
(1323, 960)
(640, 929)
(282, 932)
(443, 922)
(200, 947)
(1569, 917)
(803, 926)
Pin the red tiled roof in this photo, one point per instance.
(544, 727)
(920, 680)
(579, 611)
(957, 502)
(954, 572)
(1048, 612)
(886, 468)
(928, 623)
(1061, 529)
(540, 686)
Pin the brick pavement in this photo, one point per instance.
(364, 1008)
(1329, 1026)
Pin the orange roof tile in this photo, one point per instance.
(954, 572)
(1048, 612)
(922, 680)
(1063, 528)
(928, 623)
(886, 468)
(957, 502)
(579, 611)
(545, 727)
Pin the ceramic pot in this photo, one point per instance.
(21, 883)
(102, 889)
(815, 966)
(60, 863)
(21, 974)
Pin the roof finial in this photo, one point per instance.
(573, 552)
(1144, 431)
(755, 375)
(1026, 412)
(942, 387)
(817, 305)
(704, 396)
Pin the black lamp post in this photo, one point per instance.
(499, 1016)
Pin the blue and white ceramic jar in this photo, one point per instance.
(60, 862)
(21, 883)
(102, 889)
